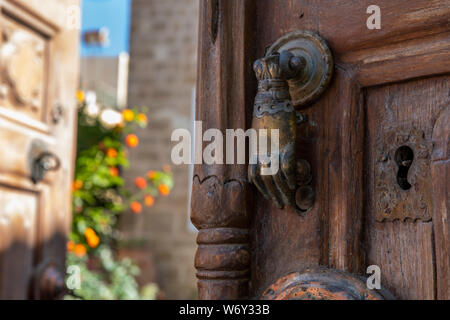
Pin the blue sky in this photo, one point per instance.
(112, 14)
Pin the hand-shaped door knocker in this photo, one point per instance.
(295, 72)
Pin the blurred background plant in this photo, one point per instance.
(99, 196)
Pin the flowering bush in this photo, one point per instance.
(100, 196)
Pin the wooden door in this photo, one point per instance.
(38, 80)
(376, 140)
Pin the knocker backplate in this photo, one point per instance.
(311, 83)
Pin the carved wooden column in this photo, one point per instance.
(219, 206)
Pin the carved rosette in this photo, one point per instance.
(22, 52)
(391, 201)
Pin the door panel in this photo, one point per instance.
(399, 220)
(389, 92)
(18, 229)
(39, 73)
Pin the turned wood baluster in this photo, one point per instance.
(219, 206)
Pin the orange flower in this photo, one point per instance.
(91, 237)
(70, 246)
(151, 174)
(142, 118)
(132, 140)
(113, 171)
(93, 241)
(164, 190)
(128, 115)
(80, 96)
(77, 185)
(136, 207)
(80, 250)
(149, 200)
(166, 168)
(89, 232)
(140, 182)
(111, 152)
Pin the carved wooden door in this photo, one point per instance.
(38, 80)
(375, 137)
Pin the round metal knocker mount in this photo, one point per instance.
(309, 84)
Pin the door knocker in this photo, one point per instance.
(41, 161)
(294, 73)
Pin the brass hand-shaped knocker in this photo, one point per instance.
(294, 72)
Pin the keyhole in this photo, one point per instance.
(404, 157)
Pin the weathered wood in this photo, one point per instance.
(339, 139)
(220, 206)
(344, 23)
(440, 176)
(283, 241)
(332, 141)
(341, 164)
(404, 250)
(41, 72)
(400, 61)
(404, 253)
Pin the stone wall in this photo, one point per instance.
(163, 57)
(100, 74)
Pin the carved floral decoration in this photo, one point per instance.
(22, 53)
